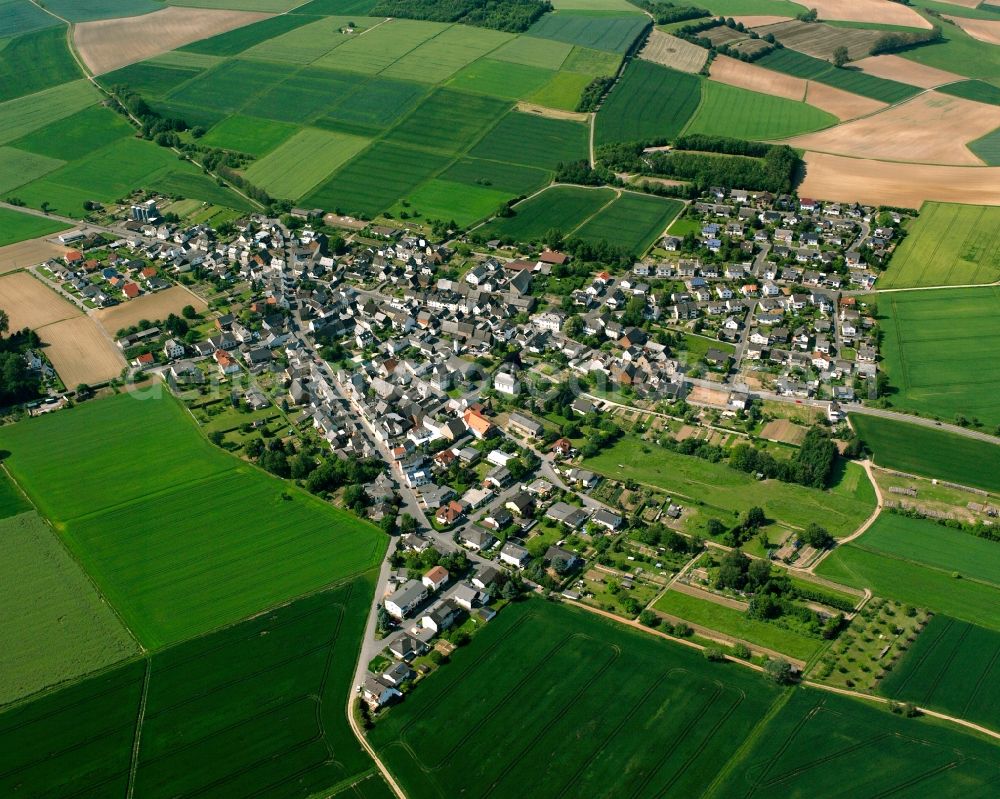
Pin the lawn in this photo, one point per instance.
(508, 178)
(732, 622)
(730, 111)
(442, 741)
(929, 452)
(693, 480)
(376, 179)
(257, 704)
(915, 584)
(449, 121)
(792, 62)
(54, 625)
(633, 221)
(938, 352)
(613, 32)
(953, 667)
(304, 161)
(35, 61)
(78, 135)
(16, 226)
(168, 540)
(533, 140)
(501, 79)
(649, 102)
(947, 244)
(564, 208)
(248, 134)
(26, 114)
(449, 201)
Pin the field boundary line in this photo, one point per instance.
(136, 742)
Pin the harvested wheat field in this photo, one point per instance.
(29, 253)
(931, 128)
(986, 30)
(884, 12)
(662, 48)
(108, 44)
(81, 352)
(894, 67)
(835, 177)
(153, 307)
(29, 303)
(784, 431)
(821, 41)
(734, 72)
(843, 105)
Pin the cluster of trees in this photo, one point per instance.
(581, 173)
(154, 126)
(894, 41)
(17, 382)
(593, 93)
(656, 535)
(665, 13)
(513, 16)
(812, 465)
(691, 33)
(601, 437)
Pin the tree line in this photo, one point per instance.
(664, 13)
(512, 16)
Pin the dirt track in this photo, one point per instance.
(109, 44)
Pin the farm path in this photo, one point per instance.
(879, 504)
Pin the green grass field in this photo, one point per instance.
(19, 166)
(450, 201)
(150, 80)
(959, 53)
(987, 148)
(381, 47)
(633, 221)
(613, 32)
(89, 10)
(35, 61)
(54, 625)
(374, 107)
(259, 705)
(168, 540)
(307, 95)
(502, 79)
(735, 623)
(303, 161)
(449, 121)
(532, 140)
(193, 185)
(23, 16)
(562, 207)
(248, 134)
(236, 41)
(78, 135)
(953, 667)
(443, 740)
(509, 178)
(562, 91)
(729, 111)
(533, 52)
(440, 57)
(16, 226)
(308, 43)
(947, 244)
(977, 90)
(230, 86)
(792, 62)
(930, 452)
(593, 63)
(27, 114)
(687, 478)
(649, 102)
(938, 351)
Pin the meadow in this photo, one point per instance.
(953, 667)
(376, 105)
(510, 178)
(929, 452)
(451, 202)
(442, 740)
(88, 10)
(236, 41)
(257, 706)
(729, 111)
(16, 226)
(167, 540)
(938, 352)
(309, 94)
(35, 61)
(792, 62)
(151, 79)
(532, 140)
(649, 102)
(735, 623)
(959, 53)
(727, 492)
(441, 56)
(248, 134)
(564, 208)
(601, 31)
(633, 221)
(947, 244)
(502, 79)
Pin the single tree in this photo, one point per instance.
(841, 56)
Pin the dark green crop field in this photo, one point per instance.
(600, 31)
(649, 102)
(35, 61)
(633, 221)
(533, 141)
(978, 90)
(562, 207)
(792, 62)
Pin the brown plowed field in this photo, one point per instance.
(757, 79)
(880, 11)
(81, 352)
(150, 306)
(29, 253)
(835, 177)
(843, 105)
(894, 67)
(819, 40)
(986, 30)
(30, 303)
(931, 128)
(109, 44)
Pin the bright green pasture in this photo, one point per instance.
(447, 201)
(729, 491)
(440, 57)
(564, 208)
(511, 179)
(534, 140)
(533, 52)
(601, 31)
(12, 501)
(959, 53)
(248, 134)
(381, 46)
(501, 79)
(35, 61)
(169, 540)
(730, 621)
(939, 351)
(184, 59)
(633, 221)
(78, 135)
(308, 43)
(449, 121)
(953, 667)
(649, 102)
(930, 452)
(375, 106)
(55, 626)
(562, 91)
(271, 6)
(16, 226)
(595, 63)
(442, 741)
(792, 62)
(195, 185)
(26, 114)
(303, 161)
(150, 80)
(730, 111)
(947, 244)
(19, 166)
(376, 179)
